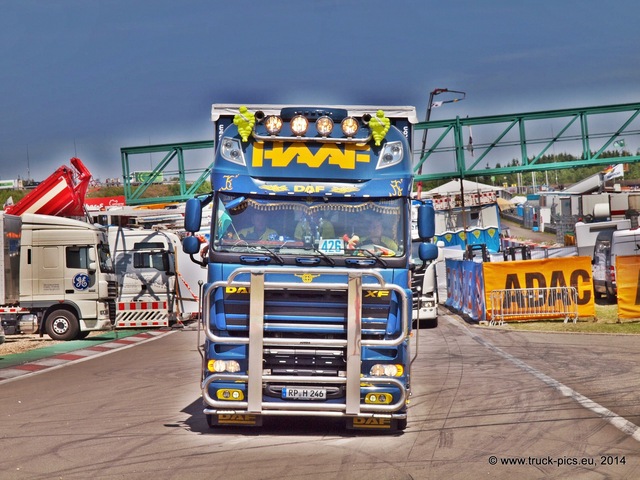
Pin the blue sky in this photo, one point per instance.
(85, 78)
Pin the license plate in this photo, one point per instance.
(303, 393)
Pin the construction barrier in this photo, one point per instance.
(545, 273)
(142, 314)
(533, 303)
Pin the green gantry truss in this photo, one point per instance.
(172, 165)
(515, 143)
(456, 148)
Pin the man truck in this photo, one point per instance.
(311, 314)
(67, 284)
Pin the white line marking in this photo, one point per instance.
(607, 415)
(91, 356)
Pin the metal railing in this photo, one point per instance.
(533, 303)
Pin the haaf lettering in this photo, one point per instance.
(346, 156)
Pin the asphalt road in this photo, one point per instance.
(486, 403)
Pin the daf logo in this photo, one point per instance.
(308, 189)
(236, 290)
(306, 277)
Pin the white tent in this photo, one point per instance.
(454, 187)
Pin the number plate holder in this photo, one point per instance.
(304, 393)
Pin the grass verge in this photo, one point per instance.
(605, 321)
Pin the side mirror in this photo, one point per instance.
(191, 245)
(192, 216)
(426, 220)
(428, 252)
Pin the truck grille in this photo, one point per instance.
(417, 282)
(303, 316)
(292, 313)
(112, 290)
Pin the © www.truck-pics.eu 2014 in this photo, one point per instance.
(307, 308)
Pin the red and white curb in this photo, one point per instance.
(57, 361)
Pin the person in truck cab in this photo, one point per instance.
(314, 225)
(375, 234)
(259, 229)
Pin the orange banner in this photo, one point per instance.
(542, 274)
(628, 284)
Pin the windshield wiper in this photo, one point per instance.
(324, 255)
(370, 254)
(271, 253)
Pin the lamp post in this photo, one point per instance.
(460, 96)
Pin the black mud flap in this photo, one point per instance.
(234, 419)
(374, 423)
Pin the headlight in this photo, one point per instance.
(324, 126)
(273, 124)
(299, 125)
(231, 150)
(220, 366)
(386, 370)
(391, 154)
(350, 126)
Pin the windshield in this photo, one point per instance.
(106, 262)
(329, 228)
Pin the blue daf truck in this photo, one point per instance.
(307, 306)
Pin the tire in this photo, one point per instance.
(429, 323)
(83, 334)
(210, 421)
(62, 325)
(401, 424)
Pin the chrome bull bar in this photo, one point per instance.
(354, 286)
(353, 343)
(257, 406)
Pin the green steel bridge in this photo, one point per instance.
(456, 148)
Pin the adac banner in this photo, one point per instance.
(546, 273)
(465, 288)
(628, 285)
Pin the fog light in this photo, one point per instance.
(230, 394)
(379, 398)
(273, 124)
(299, 125)
(349, 126)
(324, 126)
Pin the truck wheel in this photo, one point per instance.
(62, 325)
(401, 425)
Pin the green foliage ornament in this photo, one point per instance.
(379, 127)
(245, 120)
